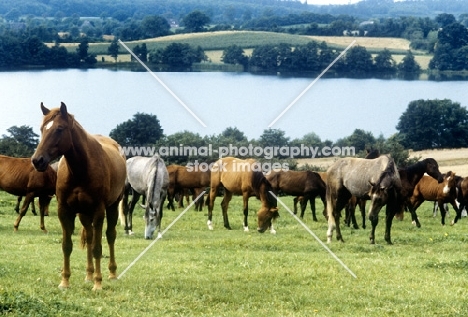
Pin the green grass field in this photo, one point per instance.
(192, 271)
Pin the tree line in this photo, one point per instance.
(425, 124)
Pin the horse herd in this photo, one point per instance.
(93, 179)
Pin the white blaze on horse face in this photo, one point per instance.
(446, 189)
(49, 125)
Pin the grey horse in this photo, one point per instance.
(147, 177)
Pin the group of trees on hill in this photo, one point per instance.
(315, 57)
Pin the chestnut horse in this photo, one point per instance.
(429, 189)
(374, 179)
(182, 177)
(18, 177)
(90, 183)
(307, 184)
(242, 177)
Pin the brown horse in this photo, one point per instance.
(377, 179)
(429, 189)
(306, 184)
(242, 177)
(18, 177)
(462, 186)
(182, 177)
(410, 176)
(90, 183)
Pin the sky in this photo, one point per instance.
(325, 2)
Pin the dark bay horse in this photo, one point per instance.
(148, 177)
(410, 176)
(374, 179)
(462, 197)
(181, 178)
(429, 189)
(242, 177)
(18, 177)
(307, 184)
(90, 184)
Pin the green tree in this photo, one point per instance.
(180, 140)
(359, 139)
(196, 21)
(384, 63)
(235, 55)
(154, 26)
(21, 142)
(408, 64)
(178, 56)
(433, 124)
(232, 135)
(142, 129)
(358, 61)
(273, 137)
(113, 49)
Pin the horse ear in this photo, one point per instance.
(45, 111)
(63, 109)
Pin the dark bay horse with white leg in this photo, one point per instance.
(375, 179)
(242, 177)
(18, 177)
(90, 184)
(306, 184)
(148, 177)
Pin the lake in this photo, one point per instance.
(332, 108)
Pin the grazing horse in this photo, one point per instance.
(18, 177)
(376, 179)
(307, 184)
(429, 189)
(90, 183)
(242, 177)
(182, 177)
(146, 176)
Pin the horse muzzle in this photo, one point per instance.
(40, 164)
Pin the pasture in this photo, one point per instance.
(196, 272)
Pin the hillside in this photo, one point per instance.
(455, 160)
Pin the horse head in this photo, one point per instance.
(56, 136)
(432, 169)
(265, 218)
(269, 209)
(450, 182)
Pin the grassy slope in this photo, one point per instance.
(196, 272)
(214, 42)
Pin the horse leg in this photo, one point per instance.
(312, 208)
(340, 204)
(245, 198)
(18, 202)
(131, 207)
(211, 197)
(442, 212)
(44, 202)
(362, 208)
(111, 234)
(458, 210)
(295, 201)
(374, 219)
(27, 199)
(224, 206)
(67, 220)
(412, 208)
(390, 214)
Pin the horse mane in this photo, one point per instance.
(389, 171)
(257, 180)
(156, 183)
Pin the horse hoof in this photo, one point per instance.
(246, 229)
(273, 231)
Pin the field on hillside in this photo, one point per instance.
(455, 160)
(214, 42)
(192, 271)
